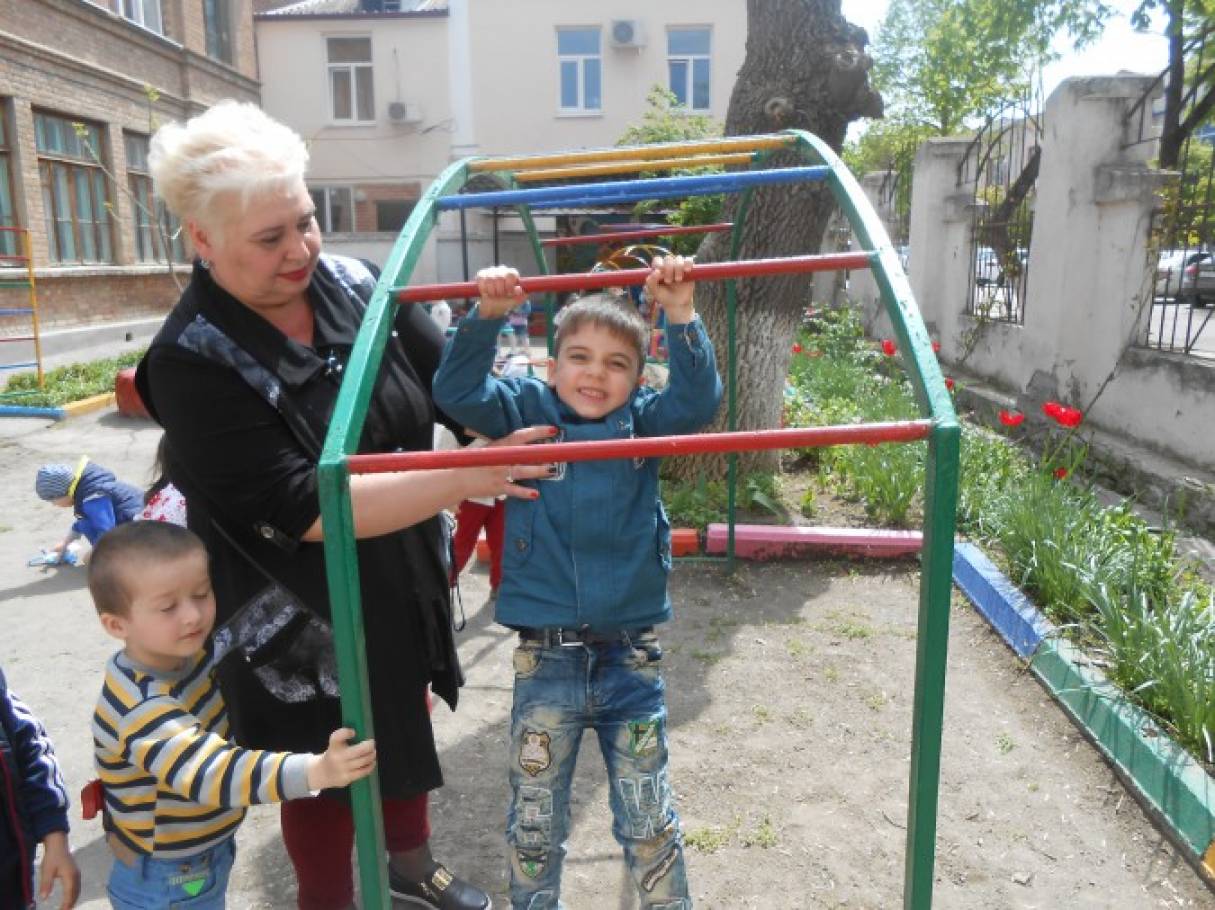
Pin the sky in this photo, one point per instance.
(1120, 47)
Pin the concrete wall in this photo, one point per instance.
(1089, 278)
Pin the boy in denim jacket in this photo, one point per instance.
(585, 571)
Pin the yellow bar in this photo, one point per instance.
(663, 150)
(632, 167)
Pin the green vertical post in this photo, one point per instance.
(940, 505)
(932, 646)
(550, 299)
(342, 572)
(337, 515)
(736, 234)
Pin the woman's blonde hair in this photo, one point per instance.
(234, 148)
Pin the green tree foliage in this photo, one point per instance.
(940, 63)
(665, 121)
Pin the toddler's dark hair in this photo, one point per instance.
(120, 550)
(619, 317)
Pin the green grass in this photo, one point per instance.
(67, 384)
(1113, 583)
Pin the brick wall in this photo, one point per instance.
(84, 62)
(65, 301)
(368, 194)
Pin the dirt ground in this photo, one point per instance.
(790, 700)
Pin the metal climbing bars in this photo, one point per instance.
(938, 423)
(27, 313)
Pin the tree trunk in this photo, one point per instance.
(805, 68)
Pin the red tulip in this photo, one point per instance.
(936, 347)
(797, 348)
(1051, 409)
(1012, 418)
(1069, 417)
(889, 347)
(949, 383)
(1060, 473)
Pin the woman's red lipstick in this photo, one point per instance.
(297, 275)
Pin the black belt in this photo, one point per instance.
(572, 638)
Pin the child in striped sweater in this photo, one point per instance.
(175, 787)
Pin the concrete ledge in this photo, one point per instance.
(88, 405)
(762, 542)
(1006, 608)
(1173, 788)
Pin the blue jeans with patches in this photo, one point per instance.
(615, 689)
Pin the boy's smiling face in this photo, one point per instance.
(172, 610)
(595, 371)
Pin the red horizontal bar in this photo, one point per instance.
(581, 281)
(653, 447)
(14, 258)
(638, 234)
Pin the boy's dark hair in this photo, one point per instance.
(620, 318)
(129, 543)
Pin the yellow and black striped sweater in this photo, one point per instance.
(174, 785)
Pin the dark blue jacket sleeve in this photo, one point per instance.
(42, 794)
(693, 389)
(98, 517)
(465, 387)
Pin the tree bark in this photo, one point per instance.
(805, 68)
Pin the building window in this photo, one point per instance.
(391, 214)
(581, 69)
(145, 13)
(74, 192)
(9, 245)
(688, 66)
(157, 232)
(217, 20)
(350, 91)
(334, 208)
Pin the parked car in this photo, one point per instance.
(988, 268)
(1186, 275)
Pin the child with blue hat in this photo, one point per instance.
(99, 500)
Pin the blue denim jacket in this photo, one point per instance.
(595, 549)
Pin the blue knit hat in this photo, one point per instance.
(53, 481)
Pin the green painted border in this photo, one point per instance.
(1161, 773)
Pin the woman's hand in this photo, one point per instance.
(666, 285)
(500, 292)
(502, 480)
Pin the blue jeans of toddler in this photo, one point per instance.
(196, 882)
(616, 689)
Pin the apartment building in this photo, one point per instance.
(83, 84)
(389, 92)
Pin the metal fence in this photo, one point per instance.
(1181, 243)
(1001, 166)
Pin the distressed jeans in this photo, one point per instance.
(615, 689)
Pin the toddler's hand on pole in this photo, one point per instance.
(666, 284)
(342, 763)
(500, 292)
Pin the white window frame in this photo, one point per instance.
(689, 61)
(137, 11)
(580, 60)
(352, 68)
(324, 211)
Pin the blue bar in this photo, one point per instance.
(549, 197)
(18, 366)
(13, 410)
(15, 311)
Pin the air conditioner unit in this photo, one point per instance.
(628, 33)
(401, 112)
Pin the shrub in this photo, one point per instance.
(68, 383)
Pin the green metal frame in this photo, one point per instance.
(940, 495)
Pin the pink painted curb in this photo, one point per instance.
(762, 542)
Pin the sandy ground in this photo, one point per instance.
(790, 701)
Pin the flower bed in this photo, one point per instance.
(67, 384)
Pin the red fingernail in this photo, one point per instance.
(552, 431)
(533, 495)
